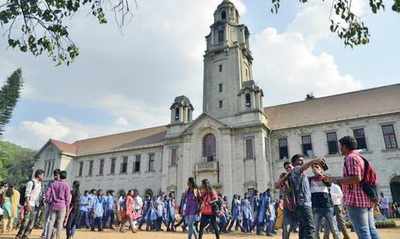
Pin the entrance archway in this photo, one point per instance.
(395, 188)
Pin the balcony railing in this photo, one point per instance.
(210, 166)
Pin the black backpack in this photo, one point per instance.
(22, 191)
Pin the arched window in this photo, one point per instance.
(247, 100)
(209, 147)
(223, 15)
(177, 114)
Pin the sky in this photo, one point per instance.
(126, 79)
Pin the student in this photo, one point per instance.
(236, 214)
(58, 196)
(289, 217)
(10, 207)
(261, 213)
(247, 213)
(98, 211)
(337, 200)
(322, 204)
(56, 177)
(84, 210)
(108, 218)
(298, 182)
(208, 215)
(170, 212)
(129, 214)
(191, 209)
(74, 212)
(31, 204)
(360, 206)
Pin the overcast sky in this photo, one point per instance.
(127, 80)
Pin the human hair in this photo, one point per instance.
(282, 175)
(76, 185)
(296, 157)
(192, 183)
(286, 164)
(9, 192)
(206, 185)
(349, 142)
(56, 172)
(63, 174)
(38, 173)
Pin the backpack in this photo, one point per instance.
(22, 191)
(369, 181)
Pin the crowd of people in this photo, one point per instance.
(305, 204)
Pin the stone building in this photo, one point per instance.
(237, 143)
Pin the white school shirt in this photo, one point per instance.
(336, 194)
(33, 192)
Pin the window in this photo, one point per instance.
(332, 143)
(359, 135)
(173, 157)
(151, 162)
(45, 168)
(250, 148)
(124, 165)
(209, 147)
(48, 168)
(389, 136)
(223, 15)
(80, 172)
(220, 87)
(101, 167)
(220, 68)
(112, 168)
(220, 104)
(177, 114)
(283, 148)
(136, 164)
(307, 145)
(221, 36)
(52, 163)
(247, 100)
(90, 171)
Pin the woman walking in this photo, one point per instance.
(129, 214)
(191, 211)
(74, 214)
(10, 207)
(208, 215)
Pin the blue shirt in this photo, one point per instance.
(98, 206)
(109, 202)
(84, 203)
(301, 187)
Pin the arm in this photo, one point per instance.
(307, 165)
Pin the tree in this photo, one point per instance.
(345, 23)
(9, 95)
(39, 26)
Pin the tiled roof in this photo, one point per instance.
(64, 147)
(358, 104)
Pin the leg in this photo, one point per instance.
(317, 219)
(360, 221)
(203, 223)
(341, 222)
(60, 222)
(215, 226)
(52, 220)
(306, 221)
(371, 222)
(330, 220)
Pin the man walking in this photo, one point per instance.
(360, 206)
(58, 196)
(31, 205)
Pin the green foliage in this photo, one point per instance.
(9, 95)
(15, 163)
(39, 26)
(349, 27)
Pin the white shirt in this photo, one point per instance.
(33, 192)
(138, 203)
(336, 194)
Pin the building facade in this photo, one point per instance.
(237, 143)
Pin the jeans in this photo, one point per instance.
(208, 219)
(72, 223)
(289, 219)
(363, 222)
(108, 218)
(56, 216)
(341, 223)
(328, 214)
(306, 222)
(28, 222)
(192, 230)
(97, 222)
(84, 219)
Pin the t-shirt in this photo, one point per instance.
(299, 182)
(336, 194)
(319, 193)
(33, 192)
